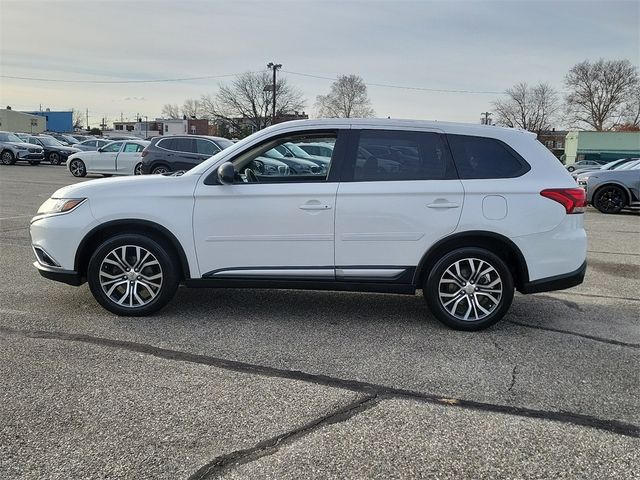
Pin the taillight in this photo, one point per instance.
(145, 152)
(572, 199)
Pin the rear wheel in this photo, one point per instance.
(54, 158)
(77, 168)
(610, 199)
(7, 157)
(160, 169)
(469, 289)
(571, 168)
(132, 275)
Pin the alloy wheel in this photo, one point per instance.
(610, 200)
(7, 158)
(470, 289)
(131, 276)
(77, 168)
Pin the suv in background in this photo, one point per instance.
(180, 152)
(14, 149)
(54, 151)
(466, 213)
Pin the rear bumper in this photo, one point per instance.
(557, 282)
(65, 276)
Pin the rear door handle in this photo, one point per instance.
(314, 206)
(443, 205)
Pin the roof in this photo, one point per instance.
(473, 129)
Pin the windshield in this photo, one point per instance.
(628, 166)
(297, 151)
(10, 137)
(50, 142)
(224, 143)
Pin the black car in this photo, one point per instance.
(54, 152)
(180, 152)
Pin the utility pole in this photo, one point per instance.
(87, 119)
(486, 120)
(274, 67)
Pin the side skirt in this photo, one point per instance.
(335, 285)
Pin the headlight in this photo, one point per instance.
(21, 148)
(59, 205)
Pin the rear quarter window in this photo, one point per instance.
(480, 157)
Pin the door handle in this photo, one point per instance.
(315, 206)
(443, 205)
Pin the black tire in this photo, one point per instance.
(34, 162)
(7, 157)
(167, 266)
(137, 170)
(571, 168)
(160, 169)
(54, 158)
(77, 168)
(440, 289)
(610, 199)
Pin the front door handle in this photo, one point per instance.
(443, 205)
(315, 206)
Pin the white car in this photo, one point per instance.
(123, 157)
(467, 213)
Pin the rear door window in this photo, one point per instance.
(480, 157)
(184, 145)
(206, 147)
(390, 155)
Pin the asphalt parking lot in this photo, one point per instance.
(291, 384)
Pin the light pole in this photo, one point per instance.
(274, 67)
(146, 127)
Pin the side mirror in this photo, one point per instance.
(226, 173)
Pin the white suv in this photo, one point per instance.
(467, 213)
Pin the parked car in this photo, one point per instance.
(614, 165)
(14, 149)
(64, 139)
(180, 152)
(81, 138)
(611, 191)
(583, 163)
(477, 213)
(91, 144)
(317, 149)
(123, 157)
(54, 152)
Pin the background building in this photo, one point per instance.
(601, 146)
(12, 121)
(554, 140)
(61, 122)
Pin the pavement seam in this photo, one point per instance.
(380, 391)
(225, 462)
(575, 334)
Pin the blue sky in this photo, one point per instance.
(480, 46)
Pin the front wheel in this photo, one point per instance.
(54, 158)
(77, 168)
(469, 289)
(610, 199)
(8, 158)
(132, 275)
(571, 168)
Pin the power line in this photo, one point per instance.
(163, 80)
(403, 87)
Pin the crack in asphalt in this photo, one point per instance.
(514, 373)
(612, 297)
(576, 334)
(371, 389)
(270, 446)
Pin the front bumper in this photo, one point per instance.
(30, 156)
(558, 282)
(69, 277)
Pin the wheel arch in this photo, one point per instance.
(496, 243)
(108, 229)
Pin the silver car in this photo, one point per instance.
(14, 148)
(610, 191)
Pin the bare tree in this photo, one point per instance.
(191, 108)
(170, 111)
(246, 101)
(530, 108)
(631, 114)
(348, 98)
(600, 92)
(78, 119)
